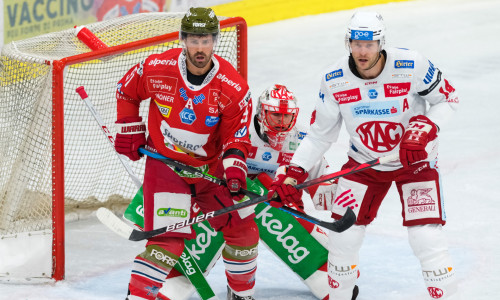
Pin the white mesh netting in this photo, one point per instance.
(93, 174)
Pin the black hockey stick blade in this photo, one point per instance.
(343, 224)
(347, 220)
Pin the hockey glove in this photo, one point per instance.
(418, 134)
(283, 191)
(131, 134)
(235, 172)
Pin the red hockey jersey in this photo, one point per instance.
(188, 123)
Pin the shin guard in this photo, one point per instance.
(343, 261)
(430, 247)
(151, 267)
(240, 257)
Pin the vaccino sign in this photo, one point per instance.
(28, 18)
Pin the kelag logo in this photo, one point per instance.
(334, 74)
(404, 64)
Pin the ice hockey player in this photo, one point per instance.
(199, 115)
(275, 136)
(392, 100)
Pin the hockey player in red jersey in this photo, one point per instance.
(392, 101)
(199, 115)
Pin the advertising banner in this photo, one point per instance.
(27, 18)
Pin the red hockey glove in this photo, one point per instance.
(235, 172)
(131, 134)
(418, 134)
(283, 192)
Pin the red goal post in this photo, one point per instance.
(55, 162)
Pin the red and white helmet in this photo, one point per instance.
(277, 112)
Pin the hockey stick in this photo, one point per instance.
(343, 224)
(81, 91)
(196, 278)
(219, 181)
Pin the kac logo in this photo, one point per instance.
(372, 94)
(266, 156)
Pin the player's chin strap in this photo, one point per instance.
(349, 218)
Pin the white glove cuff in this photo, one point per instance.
(130, 128)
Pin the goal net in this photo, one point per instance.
(55, 162)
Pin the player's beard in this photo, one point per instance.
(199, 63)
(369, 64)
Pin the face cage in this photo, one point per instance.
(271, 125)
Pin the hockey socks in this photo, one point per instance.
(151, 268)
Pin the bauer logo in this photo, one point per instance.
(334, 74)
(404, 64)
(362, 35)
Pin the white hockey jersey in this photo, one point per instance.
(263, 158)
(377, 111)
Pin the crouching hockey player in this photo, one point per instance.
(301, 245)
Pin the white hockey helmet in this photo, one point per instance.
(366, 26)
(277, 112)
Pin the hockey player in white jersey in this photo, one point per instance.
(391, 101)
(275, 137)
